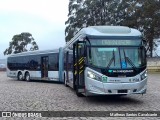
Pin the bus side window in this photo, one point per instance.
(53, 62)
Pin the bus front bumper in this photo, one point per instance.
(95, 88)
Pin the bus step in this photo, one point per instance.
(81, 90)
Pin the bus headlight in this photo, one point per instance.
(93, 75)
(144, 75)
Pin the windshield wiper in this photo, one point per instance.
(129, 61)
(111, 60)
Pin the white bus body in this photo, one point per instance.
(35, 65)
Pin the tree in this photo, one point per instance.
(151, 23)
(21, 43)
(75, 18)
(83, 13)
(140, 14)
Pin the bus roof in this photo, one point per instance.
(103, 31)
(37, 52)
(110, 31)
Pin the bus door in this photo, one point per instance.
(44, 64)
(69, 68)
(78, 69)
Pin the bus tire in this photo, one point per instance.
(27, 77)
(74, 85)
(65, 82)
(19, 76)
(79, 94)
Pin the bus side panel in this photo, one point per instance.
(12, 74)
(53, 75)
(38, 74)
(32, 74)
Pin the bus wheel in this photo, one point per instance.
(65, 82)
(74, 85)
(20, 76)
(27, 77)
(78, 93)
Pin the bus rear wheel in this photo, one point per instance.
(20, 76)
(27, 77)
(78, 93)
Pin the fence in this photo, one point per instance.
(153, 64)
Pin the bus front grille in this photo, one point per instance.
(122, 91)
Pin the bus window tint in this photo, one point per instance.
(53, 62)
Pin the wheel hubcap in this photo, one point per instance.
(20, 76)
(27, 77)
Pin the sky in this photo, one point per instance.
(44, 19)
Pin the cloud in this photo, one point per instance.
(46, 34)
(44, 19)
(51, 10)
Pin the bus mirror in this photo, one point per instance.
(144, 42)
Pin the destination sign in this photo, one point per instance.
(116, 42)
(121, 42)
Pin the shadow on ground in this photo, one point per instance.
(40, 81)
(111, 99)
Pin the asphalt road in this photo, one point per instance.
(48, 96)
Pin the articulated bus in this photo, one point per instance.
(106, 60)
(98, 60)
(35, 65)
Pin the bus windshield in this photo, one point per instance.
(116, 57)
